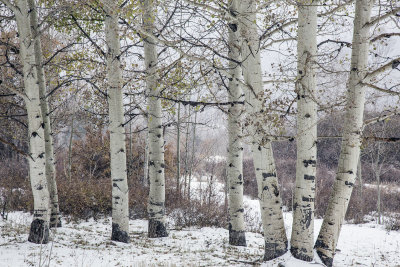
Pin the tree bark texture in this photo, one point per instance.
(156, 204)
(55, 219)
(264, 164)
(351, 141)
(120, 203)
(302, 238)
(237, 235)
(39, 231)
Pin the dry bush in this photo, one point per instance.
(249, 178)
(138, 196)
(324, 181)
(14, 187)
(195, 212)
(91, 155)
(83, 199)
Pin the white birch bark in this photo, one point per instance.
(120, 208)
(351, 141)
(268, 188)
(237, 235)
(302, 239)
(156, 204)
(39, 231)
(55, 220)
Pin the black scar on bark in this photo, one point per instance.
(272, 251)
(233, 27)
(348, 183)
(307, 219)
(307, 199)
(309, 162)
(266, 175)
(276, 190)
(119, 235)
(299, 254)
(39, 232)
(157, 229)
(309, 177)
(237, 238)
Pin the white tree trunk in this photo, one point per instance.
(156, 205)
(120, 204)
(302, 239)
(268, 188)
(193, 151)
(237, 235)
(351, 141)
(55, 220)
(146, 161)
(39, 231)
(70, 150)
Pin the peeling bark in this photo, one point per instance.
(351, 141)
(302, 239)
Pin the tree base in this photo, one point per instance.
(157, 229)
(118, 235)
(39, 232)
(237, 238)
(296, 252)
(328, 261)
(55, 222)
(56, 225)
(272, 251)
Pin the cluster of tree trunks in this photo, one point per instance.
(245, 86)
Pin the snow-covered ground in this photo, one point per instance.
(88, 244)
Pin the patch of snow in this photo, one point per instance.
(88, 243)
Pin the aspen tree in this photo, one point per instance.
(39, 230)
(302, 239)
(156, 204)
(120, 207)
(55, 220)
(237, 235)
(264, 164)
(351, 141)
